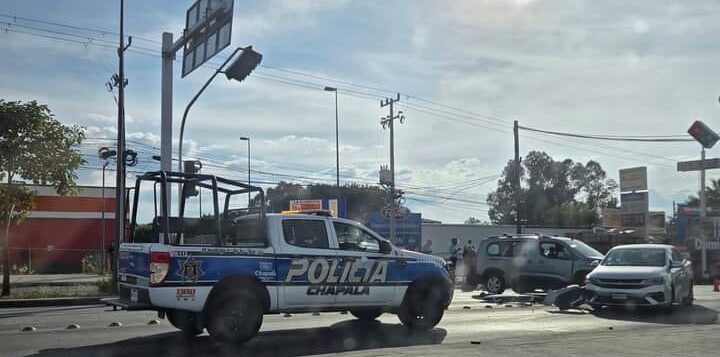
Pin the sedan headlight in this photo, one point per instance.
(591, 280)
(654, 281)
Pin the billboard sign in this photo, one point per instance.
(408, 230)
(634, 202)
(633, 179)
(305, 205)
(633, 220)
(208, 25)
(337, 207)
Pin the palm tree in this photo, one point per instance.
(712, 196)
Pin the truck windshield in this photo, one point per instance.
(636, 257)
(584, 249)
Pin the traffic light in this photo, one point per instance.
(243, 65)
(703, 134)
(191, 167)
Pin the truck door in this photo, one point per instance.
(367, 282)
(555, 266)
(308, 257)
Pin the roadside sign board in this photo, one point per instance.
(636, 202)
(633, 220)
(408, 230)
(208, 25)
(633, 179)
(697, 165)
(305, 205)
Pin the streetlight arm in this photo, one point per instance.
(192, 101)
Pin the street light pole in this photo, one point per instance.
(245, 138)
(337, 140)
(102, 220)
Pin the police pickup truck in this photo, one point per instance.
(223, 271)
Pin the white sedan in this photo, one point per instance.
(641, 275)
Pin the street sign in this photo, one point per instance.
(636, 202)
(208, 25)
(633, 220)
(633, 179)
(703, 134)
(697, 165)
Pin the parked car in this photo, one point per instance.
(641, 275)
(530, 262)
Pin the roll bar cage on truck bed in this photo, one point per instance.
(168, 229)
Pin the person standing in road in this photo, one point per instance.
(469, 256)
(427, 247)
(454, 251)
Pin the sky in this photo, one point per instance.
(464, 70)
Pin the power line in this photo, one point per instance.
(101, 32)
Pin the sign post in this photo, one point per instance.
(205, 19)
(707, 139)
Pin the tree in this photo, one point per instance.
(34, 147)
(552, 193)
(712, 196)
(473, 221)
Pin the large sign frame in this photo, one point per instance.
(633, 179)
(208, 28)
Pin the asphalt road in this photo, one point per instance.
(470, 327)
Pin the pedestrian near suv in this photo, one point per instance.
(469, 258)
(454, 251)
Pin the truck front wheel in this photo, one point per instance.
(235, 316)
(190, 323)
(366, 314)
(422, 308)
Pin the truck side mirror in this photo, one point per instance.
(385, 247)
(594, 264)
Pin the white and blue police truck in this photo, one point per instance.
(224, 270)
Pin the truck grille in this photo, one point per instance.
(620, 283)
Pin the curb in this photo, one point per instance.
(52, 284)
(69, 301)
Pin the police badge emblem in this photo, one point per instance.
(190, 270)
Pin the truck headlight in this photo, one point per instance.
(654, 281)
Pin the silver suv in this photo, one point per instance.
(529, 262)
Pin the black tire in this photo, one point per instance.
(495, 283)
(423, 307)
(688, 301)
(521, 286)
(366, 314)
(235, 316)
(190, 323)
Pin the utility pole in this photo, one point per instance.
(703, 239)
(516, 179)
(166, 109)
(120, 174)
(387, 122)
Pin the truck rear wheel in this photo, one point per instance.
(235, 317)
(422, 308)
(366, 314)
(186, 321)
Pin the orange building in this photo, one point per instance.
(64, 234)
